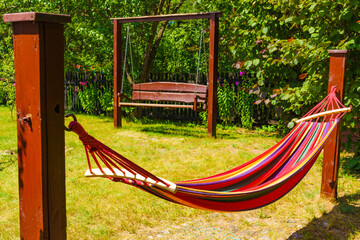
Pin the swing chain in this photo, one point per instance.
(199, 55)
(125, 57)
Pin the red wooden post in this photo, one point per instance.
(213, 73)
(39, 75)
(332, 146)
(117, 72)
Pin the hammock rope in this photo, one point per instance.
(109, 157)
(254, 184)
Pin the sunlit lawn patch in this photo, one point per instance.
(101, 209)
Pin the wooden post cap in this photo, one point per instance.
(333, 52)
(36, 17)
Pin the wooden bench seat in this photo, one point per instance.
(193, 95)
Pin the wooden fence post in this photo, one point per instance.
(332, 146)
(39, 77)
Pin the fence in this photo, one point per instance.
(74, 80)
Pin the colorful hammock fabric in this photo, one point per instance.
(251, 185)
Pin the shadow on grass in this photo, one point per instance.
(343, 222)
(177, 130)
(351, 166)
(198, 132)
(183, 130)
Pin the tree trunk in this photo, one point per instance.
(154, 42)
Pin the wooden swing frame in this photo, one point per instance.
(209, 97)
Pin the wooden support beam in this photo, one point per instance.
(213, 74)
(166, 17)
(332, 145)
(39, 76)
(117, 73)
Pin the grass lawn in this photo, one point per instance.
(101, 209)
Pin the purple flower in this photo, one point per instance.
(237, 83)
(241, 73)
(76, 89)
(218, 80)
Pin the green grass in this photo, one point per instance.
(101, 209)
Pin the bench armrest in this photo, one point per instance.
(121, 95)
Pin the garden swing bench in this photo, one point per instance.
(197, 97)
(190, 94)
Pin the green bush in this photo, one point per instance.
(107, 100)
(236, 102)
(88, 95)
(2, 92)
(226, 102)
(95, 99)
(7, 95)
(245, 103)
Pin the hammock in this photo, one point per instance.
(251, 185)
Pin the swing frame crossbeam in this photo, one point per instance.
(167, 17)
(212, 72)
(39, 76)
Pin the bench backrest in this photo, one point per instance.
(169, 91)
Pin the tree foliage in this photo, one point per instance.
(285, 42)
(89, 36)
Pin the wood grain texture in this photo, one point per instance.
(39, 76)
(36, 17)
(167, 17)
(332, 146)
(117, 73)
(171, 87)
(147, 105)
(166, 96)
(213, 74)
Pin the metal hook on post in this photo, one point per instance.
(74, 119)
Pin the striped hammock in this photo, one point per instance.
(251, 185)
